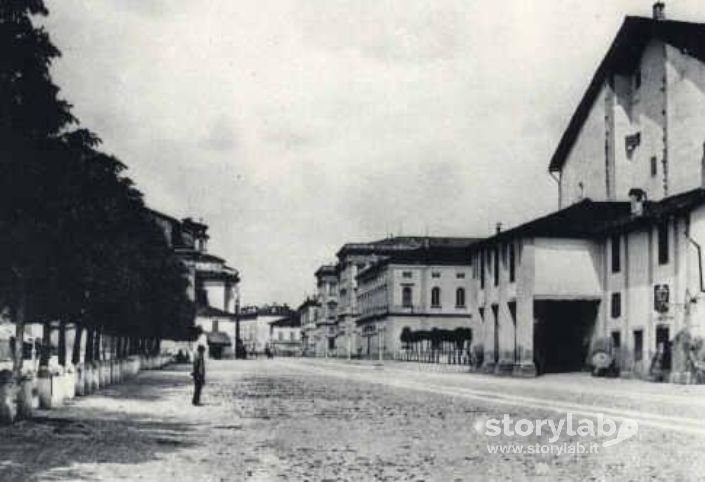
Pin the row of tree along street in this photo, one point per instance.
(77, 246)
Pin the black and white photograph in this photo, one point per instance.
(352, 240)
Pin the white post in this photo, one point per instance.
(380, 334)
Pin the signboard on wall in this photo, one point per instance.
(661, 297)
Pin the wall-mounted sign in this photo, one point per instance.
(661, 296)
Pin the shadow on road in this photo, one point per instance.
(51, 445)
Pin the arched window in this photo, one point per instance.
(436, 296)
(406, 297)
(460, 298)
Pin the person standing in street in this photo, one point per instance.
(198, 374)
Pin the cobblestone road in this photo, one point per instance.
(303, 420)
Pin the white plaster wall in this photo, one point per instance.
(696, 320)
(686, 120)
(641, 110)
(216, 294)
(566, 268)
(586, 161)
(415, 281)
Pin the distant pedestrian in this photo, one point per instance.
(198, 374)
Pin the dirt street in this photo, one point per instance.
(316, 420)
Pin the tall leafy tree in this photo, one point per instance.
(31, 117)
(76, 244)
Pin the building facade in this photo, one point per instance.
(327, 322)
(308, 313)
(401, 296)
(285, 336)
(255, 329)
(339, 333)
(619, 264)
(213, 285)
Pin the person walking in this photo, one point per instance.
(198, 374)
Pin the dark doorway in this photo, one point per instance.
(562, 333)
(215, 351)
(663, 337)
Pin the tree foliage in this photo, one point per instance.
(76, 242)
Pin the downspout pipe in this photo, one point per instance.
(700, 260)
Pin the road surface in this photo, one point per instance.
(294, 419)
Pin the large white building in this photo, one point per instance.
(620, 263)
(412, 293)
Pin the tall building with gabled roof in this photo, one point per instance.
(641, 122)
(619, 265)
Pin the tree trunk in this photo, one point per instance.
(46, 345)
(76, 352)
(62, 343)
(20, 314)
(96, 346)
(90, 345)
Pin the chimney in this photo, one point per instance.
(637, 197)
(659, 11)
(498, 228)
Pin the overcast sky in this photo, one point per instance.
(294, 126)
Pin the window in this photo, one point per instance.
(406, 274)
(495, 267)
(435, 274)
(281, 336)
(663, 243)
(631, 143)
(406, 297)
(512, 263)
(638, 345)
(616, 340)
(616, 261)
(291, 336)
(616, 305)
(460, 298)
(482, 271)
(654, 166)
(460, 275)
(436, 297)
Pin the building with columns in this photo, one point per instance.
(620, 263)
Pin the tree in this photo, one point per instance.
(31, 116)
(76, 244)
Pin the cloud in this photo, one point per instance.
(293, 126)
(221, 135)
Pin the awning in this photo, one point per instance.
(218, 338)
